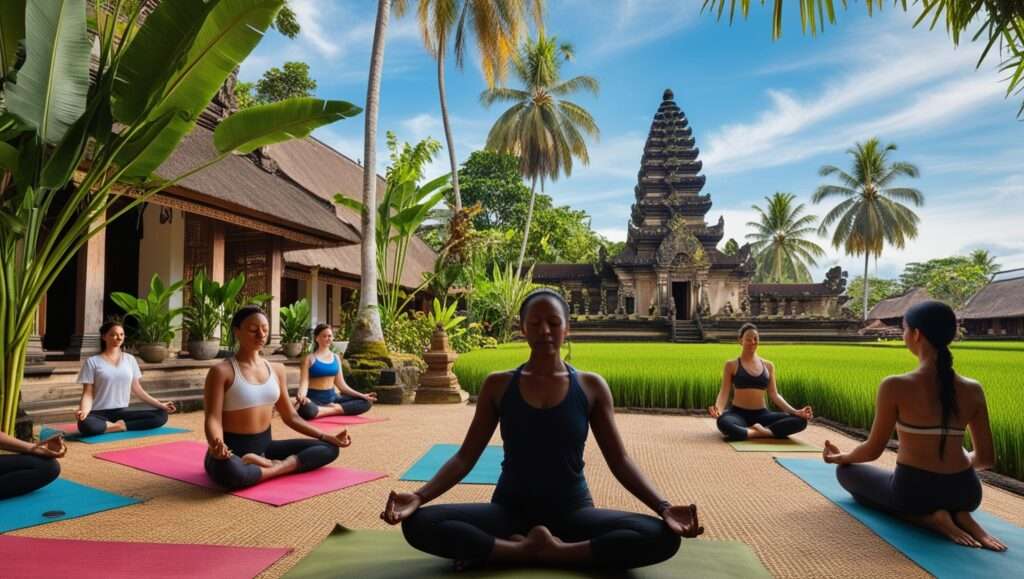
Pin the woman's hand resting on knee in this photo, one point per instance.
(683, 520)
(400, 506)
(219, 450)
(52, 447)
(341, 440)
(831, 454)
(714, 411)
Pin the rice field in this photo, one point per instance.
(839, 381)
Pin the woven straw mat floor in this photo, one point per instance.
(742, 496)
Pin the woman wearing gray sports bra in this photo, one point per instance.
(240, 396)
(748, 417)
(935, 484)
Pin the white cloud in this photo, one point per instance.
(310, 17)
(613, 233)
(638, 22)
(424, 125)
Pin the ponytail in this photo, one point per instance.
(947, 390)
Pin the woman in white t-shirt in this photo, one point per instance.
(108, 380)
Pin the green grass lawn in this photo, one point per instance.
(839, 381)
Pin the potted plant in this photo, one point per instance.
(295, 322)
(154, 316)
(203, 315)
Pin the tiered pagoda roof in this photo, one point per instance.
(668, 190)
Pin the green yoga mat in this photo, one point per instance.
(773, 445)
(386, 555)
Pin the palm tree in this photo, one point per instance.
(367, 336)
(542, 130)
(497, 25)
(872, 213)
(985, 260)
(782, 253)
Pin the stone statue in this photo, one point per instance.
(726, 309)
(835, 280)
(745, 304)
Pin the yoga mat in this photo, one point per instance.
(773, 445)
(30, 558)
(386, 555)
(933, 553)
(485, 472)
(342, 420)
(70, 431)
(60, 500)
(183, 461)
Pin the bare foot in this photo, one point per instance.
(118, 426)
(759, 431)
(541, 545)
(965, 521)
(942, 523)
(253, 458)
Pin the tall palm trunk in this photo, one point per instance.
(866, 257)
(526, 231)
(457, 196)
(368, 327)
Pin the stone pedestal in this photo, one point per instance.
(438, 385)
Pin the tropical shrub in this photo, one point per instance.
(203, 314)
(409, 333)
(153, 313)
(295, 322)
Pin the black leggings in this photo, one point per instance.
(24, 473)
(911, 491)
(350, 405)
(233, 474)
(96, 422)
(466, 532)
(733, 423)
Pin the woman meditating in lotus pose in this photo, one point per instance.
(541, 512)
(108, 380)
(935, 484)
(322, 388)
(749, 376)
(240, 396)
(32, 467)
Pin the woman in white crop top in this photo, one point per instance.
(934, 484)
(240, 396)
(108, 381)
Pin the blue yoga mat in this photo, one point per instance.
(61, 500)
(485, 472)
(936, 555)
(47, 432)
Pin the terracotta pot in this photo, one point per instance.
(204, 349)
(293, 350)
(153, 353)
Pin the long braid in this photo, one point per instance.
(947, 390)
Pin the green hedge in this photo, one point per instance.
(839, 381)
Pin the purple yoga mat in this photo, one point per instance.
(27, 557)
(184, 461)
(342, 420)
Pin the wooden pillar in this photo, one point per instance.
(35, 355)
(217, 260)
(313, 295)
(276, 267)
(89, 298)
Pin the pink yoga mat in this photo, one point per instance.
(342, 420)
(27, 557)
(184, 461)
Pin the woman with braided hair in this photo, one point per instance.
(935, 484)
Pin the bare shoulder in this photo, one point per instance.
(730, 365)
(221, 372)
(769, 364)
(278, 368)
(495, 383)
(893, 385)
(594, 386)
(970, 385)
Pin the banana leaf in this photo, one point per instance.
(12, 32)
(292, 118)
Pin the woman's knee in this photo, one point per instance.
(357, 406)
(92, 426)
(788, 425)
(159, 417)
(309, 410)
(50, 470)
(317, 455)
(730, 429)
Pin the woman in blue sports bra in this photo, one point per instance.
(935, 483)
(542, 512)
(750, 377)
(322, 388)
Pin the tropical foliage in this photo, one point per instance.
(296, 320)
(148, 85)
(497, 27)
(778, 242)
(276, 84)
(879, 288)
(541, 128)
(872, 213)
(155, 317)
(999, 23)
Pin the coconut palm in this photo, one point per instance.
(543, 130)
(367, 337)
(497, 26)
(781, 252)
(872, 213)
(985, 260)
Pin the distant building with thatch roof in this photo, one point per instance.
(890, 311)
(998, 308)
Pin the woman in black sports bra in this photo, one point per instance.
(750, 376)
(934, 484)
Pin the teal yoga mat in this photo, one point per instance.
(936, 555)
(47, 432)
(485, 472)
(57, 501)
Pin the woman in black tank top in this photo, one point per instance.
(541, 512)
(747, 416)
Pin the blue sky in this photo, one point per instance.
(766, 115)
